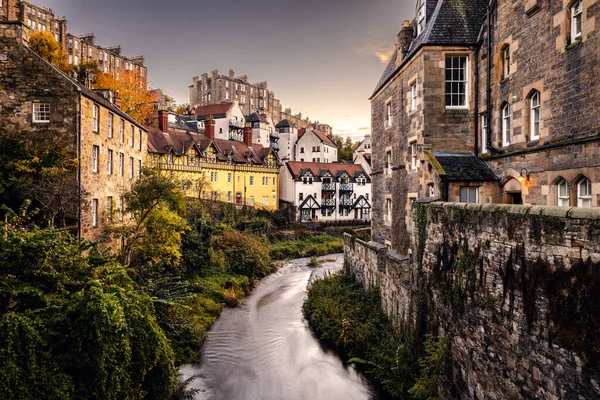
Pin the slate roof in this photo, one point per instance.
(186, 123)
(452, 23)
(465, 167)
(254, 117)
(298, 168)
(283, 124)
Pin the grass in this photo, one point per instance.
(317, 245)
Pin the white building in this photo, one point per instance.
(288, 135)
(263, 130)
(314, 146)
(326, 191)
(362, 154)
(229, 119)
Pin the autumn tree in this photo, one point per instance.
(44, 43)
(136, 99)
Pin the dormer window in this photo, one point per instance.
(421, 20)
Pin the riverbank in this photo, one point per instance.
(349, 319)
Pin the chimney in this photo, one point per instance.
(248, 134)
(116, 99)
(231, 74)
(209, 127)
(163, 121)
(405, 38)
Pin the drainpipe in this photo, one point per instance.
(488, 132)
(79, 123)
(476, 143)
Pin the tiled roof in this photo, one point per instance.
(214, 110)
(296, 168)
(323, 137)
(465, 167)
(450, 23)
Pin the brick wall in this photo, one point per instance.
(514, 288)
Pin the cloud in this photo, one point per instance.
(383, 53)
(364, 128)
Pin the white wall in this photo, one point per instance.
(308, 141)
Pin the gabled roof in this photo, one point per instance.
(283, 124)
(255, 117)
(461, 167)
(296, 168)
(216, 110)
(162, 143)
(322, 137)
(310, 203)
(362, 202)
(452, 23)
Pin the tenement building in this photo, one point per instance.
(82, 48)
(212, 166)
(487, 106)
(49, 109)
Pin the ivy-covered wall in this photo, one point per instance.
(516, 290)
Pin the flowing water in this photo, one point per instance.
(264, 350)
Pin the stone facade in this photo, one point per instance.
(77, 120)
(514, 288)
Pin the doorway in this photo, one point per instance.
(512, 192)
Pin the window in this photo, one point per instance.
(535, 115)
(484, 128)
(506, 62)
(122, 131)
(274, 181)
(431, 191)
(576, 20)
(140, 140)
(229, 197)
(121, 164)
(121, 208)
(109, 207)
(130, 167)
(111, 118)
(252, 201)
(413, 96)
(301, 196)
(95, 158)
(563, 193)
(229, 177)
(584, 193)
(109, 163)
(132, 136)
(421, 18)
(388, 114)
(469, 194)
(413, 152)
(139, 168)
(41, 112)
(301, 149)
(456, 81)
(506, 125)
(388, 211)
(96, 118)
(388, 163)
(94, 212)
(170, 158)
(251, 180)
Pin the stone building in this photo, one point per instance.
(327, 191)
(220, 169)
(80, 48)
(253, 97)
(446, 80)
(50, 108)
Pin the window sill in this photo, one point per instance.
(533, 142)
(40, 122)
(454, 108)
(574, 44)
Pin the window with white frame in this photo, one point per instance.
(388, 211)
(388, 163)
(132, 136)
(421, 14)
(252, 201)
(469, 195)
(170, 158)
(576, 20)
(456, 81)
(484, 128)
(535, 112)
(413, 155)
(121, 164)
(506, 131)
(563, 193)
(95, 158)
(506, 62)
(96, 112)
(388, 114)
(122, 131)
(94, 212)
(229, 177)
(584, 193)
(111, 118)
(109, 162)
(131, 174)
(413, 96)
(251, 180)
(41, 112)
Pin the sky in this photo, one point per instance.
(321, 57)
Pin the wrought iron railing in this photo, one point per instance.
(236, 136)
(346, 202)
(346, 187)
(236, 123)
(328, 203)
(328, 187)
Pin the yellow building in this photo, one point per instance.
(231, 171)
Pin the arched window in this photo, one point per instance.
(576, 20)
(584, 193)
(505, 62)
(563, 193)
(506, 125)
(535, 114)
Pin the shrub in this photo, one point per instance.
(245, 254)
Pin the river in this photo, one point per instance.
(264, 350)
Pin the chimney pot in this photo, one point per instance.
(248, 134)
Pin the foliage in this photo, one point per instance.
(435, 365)
(245, 254)
(86, 72)
(183, 109)
(318, 245)
(345, 147)
(136, 99)
(44, 44)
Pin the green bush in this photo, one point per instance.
(245, 254)
(317, 245)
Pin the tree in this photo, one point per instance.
(183, 109)
(136, 99)
(43, 43)
(86, 72)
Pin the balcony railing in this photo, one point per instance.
(275, 145)
(236, 123)
(346, 202)
(346, 187)
(274, 135)
(236, 136)
(328, 187)
(328, 203)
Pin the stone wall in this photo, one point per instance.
(516, 290)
